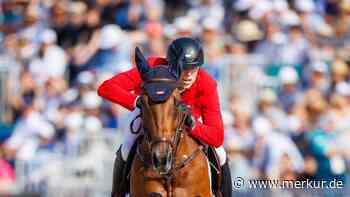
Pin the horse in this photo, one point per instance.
(168, 161)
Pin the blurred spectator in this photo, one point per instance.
(239, 141)
(184, 26)
(7, 177)
(340, 72)
(31, 131)
(274, 149)
(51, 60)
(330, 163)
(32, 25)
(268, 108)
(208, 8)
(106, 51)
(319, 77)
(289, 92)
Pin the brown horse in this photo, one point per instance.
(169, 162)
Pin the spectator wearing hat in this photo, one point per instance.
(51, 61)
(248, 32)
(318, 77)
(271, 46)
(295, 50)
(268, 107)
(112, 48)
(207, 9)
(289, 92)
(271, 148)
(311, 20)
(184, 26)
(72, 133)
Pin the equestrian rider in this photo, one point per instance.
(199, 93)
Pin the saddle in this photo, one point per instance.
(215, 168)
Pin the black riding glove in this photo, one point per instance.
(189, 120)
(139, 102)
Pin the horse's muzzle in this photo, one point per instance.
(162, 157)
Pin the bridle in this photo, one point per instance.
(144, 155)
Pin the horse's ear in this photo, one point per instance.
(141, 62)
(176, 69)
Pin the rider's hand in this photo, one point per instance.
(138, 102)
(190, 121)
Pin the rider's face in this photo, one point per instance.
(188, 77)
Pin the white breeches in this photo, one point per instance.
(129, 138)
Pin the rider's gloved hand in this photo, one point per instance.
(138, 102)
(190, 121)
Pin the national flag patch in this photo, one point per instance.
(160, 92)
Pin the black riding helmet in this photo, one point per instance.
(185, 52)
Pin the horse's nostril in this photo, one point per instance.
(155, 194)
(156, 161)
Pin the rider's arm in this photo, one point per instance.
(119, 89)
(211, 131)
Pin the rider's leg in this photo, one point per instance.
(119, 174)
(129, 137)
(118, 179)
(226, 181)
(220, 151)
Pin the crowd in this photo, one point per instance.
(282, 68)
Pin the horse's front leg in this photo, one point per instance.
(140, 186)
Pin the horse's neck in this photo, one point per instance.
(187, 145)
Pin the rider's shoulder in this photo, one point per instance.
(205, 79)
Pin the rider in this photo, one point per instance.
(199, 93)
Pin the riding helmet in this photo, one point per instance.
(190, 49)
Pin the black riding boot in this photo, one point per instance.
(226, 181)
(118, 189)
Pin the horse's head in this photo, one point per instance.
(162, 119)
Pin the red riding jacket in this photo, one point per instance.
(202, 97)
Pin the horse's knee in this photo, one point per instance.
(155, 194)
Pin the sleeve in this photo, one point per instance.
(211, 131)
(120, 89)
